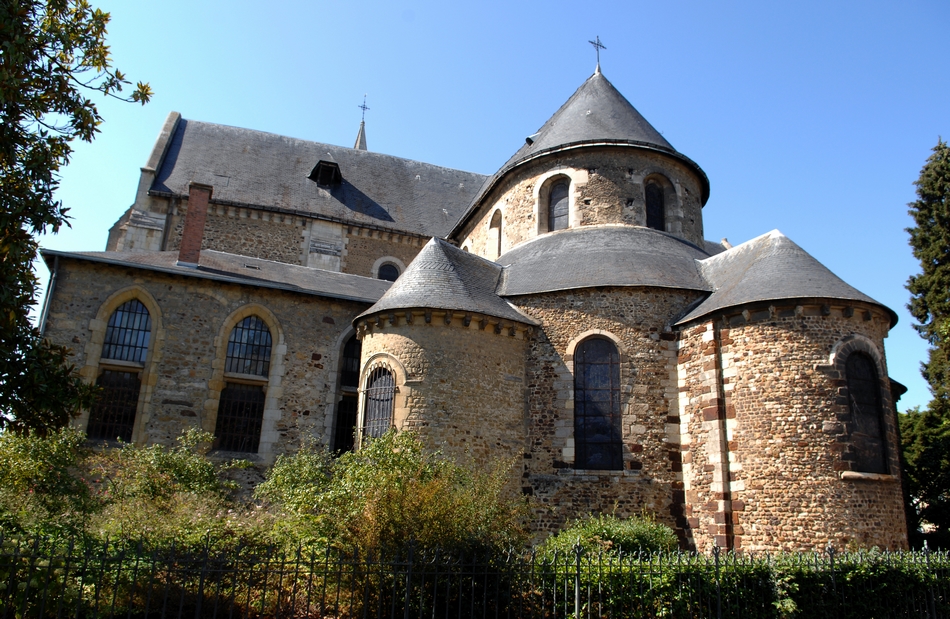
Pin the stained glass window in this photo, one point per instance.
(127, 333)
(113, 415)
(249, 348)
(379, 395)
(240, 415)
(558, 206)
(597, 437)
(655, 215)
(864, 395)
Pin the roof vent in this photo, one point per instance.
(531, 138)
(326, 173)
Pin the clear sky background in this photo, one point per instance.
(812, 117)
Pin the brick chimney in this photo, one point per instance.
(189, 251)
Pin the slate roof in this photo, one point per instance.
(605, 255)
(253, 168)
(595, 114)
(231, 268)
(770, 267)
(445, 277)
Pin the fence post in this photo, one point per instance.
(577, 580)
(718, 584)
(408, 594)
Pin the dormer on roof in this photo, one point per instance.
(326, 173)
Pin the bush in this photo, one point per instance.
(42, 491)
(390, 493)
(612, 535)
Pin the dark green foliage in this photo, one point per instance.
(614, 536)
(42, 491)
(926, 434)
(52, 53)
(930, 290)
(925, 437)
(393, 492)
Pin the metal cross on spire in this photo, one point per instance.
(364, 108)
(597, 46)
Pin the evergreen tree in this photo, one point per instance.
(930, 291)
(925, 434)
(52, 54)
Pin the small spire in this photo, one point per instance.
(361, 136)
(597, 46)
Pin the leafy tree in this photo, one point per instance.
(925, 434)
(52, 54)
(930, 239)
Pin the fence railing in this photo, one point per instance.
(39, 579)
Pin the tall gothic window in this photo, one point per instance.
(867, 414)
(347, 405)
(655, 207)
(241, 407)
(126, 346)
(597, 437)
(378, 402)
(558, 206)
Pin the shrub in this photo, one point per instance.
(390, 493)
(609, 534)
(42, 492)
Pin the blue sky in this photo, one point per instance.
(810, 117)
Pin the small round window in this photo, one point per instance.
(388, 272)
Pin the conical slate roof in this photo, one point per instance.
(444, 277)
(596, 112)
(770, 267)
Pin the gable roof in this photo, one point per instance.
(445, 277)
(770, 267)
(596, 114)
(603, 255)
(231, 268)
(269, 171)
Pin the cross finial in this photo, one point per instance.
(364, 108)
(597, 46)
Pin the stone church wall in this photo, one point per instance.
(759, 388)
(365, 248)
(635, 318)
(461, 386)
(607, 187)
(184, 354)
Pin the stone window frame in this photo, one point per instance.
(494, 245)
(542, 193)
(836, 370)
(273, 383)
(669, 197)
(396, 262)
(565, 384)
(95, 364)
(400, 397)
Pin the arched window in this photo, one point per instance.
(655, 207)
(867, 414)
(558, 206)
(388, 272)
(126, 344)
(378, 402)
(494, 234)
(347, 405)
(241, 407)
(597, 436)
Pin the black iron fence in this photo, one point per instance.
(40, 579)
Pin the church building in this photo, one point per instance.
(565, 315)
